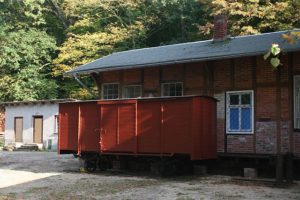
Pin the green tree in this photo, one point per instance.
(101, 27)
(98, 28)
(23, 14)
(248, 17)
(25, 65)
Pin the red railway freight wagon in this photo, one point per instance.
(101, 131)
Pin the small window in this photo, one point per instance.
(110, 91)
(297, 102)
(239, 112)
(132, 91)
(172, 89)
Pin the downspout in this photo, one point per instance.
(84, 86)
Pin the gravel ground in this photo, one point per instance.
(46, 175)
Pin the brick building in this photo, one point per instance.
(259, 107)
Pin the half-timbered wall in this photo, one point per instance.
(272, 89)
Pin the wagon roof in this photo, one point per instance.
(240, 46)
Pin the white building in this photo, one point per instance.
(32, 122)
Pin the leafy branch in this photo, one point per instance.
(274, 52)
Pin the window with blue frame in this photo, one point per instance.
(239, 112)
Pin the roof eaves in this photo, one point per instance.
(72, 73)
(50, 101)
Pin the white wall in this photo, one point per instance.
(47, 110)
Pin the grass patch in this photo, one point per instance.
(1, 142)
(9, 196)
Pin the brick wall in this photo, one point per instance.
(222, 76)
(266, 137)
(266, 104)
(249, 73)
(151, 82)
(172, 73)
(220, 121)
(194, 79)
(240, 144)
(243, 73)
(297, 144)
(265, 73)
(132, 76)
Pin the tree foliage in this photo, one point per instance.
(247, 17)
(100, 27)
(42, 39)
(25, 57)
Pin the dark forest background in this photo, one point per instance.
(41, 39)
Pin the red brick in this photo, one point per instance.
(266, 103)
(220, 135)
(151, 82)
(284, 103)
(284, 69)
(265, 73)
(243, 73)
(132, 76)
(240, 144)
(111, 76)
(296, 61)
(173, 73)
(297, 144)
(222, 77)
(285, 136)
(194, 77)
(266, 140)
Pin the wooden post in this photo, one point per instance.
(279, 169)
(289, 168)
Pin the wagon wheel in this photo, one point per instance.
(103, 165)
(167, 168)
(90, 165)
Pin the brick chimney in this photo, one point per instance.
(220, 28)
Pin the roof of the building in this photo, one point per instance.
(188, 52)
(47, 101)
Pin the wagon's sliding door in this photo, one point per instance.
(118, 127)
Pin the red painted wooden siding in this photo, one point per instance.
(159, 126)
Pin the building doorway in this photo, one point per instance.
(18, 129)
(38, 129)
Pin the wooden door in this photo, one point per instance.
(38, 129)
(19, 129)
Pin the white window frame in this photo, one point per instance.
(162, 88)
(126, 86)
(295, 101)
(102, 90)
(227, 106)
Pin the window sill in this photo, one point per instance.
(240, 133)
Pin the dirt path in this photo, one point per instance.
(44, 175)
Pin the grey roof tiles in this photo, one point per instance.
(187, 52)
